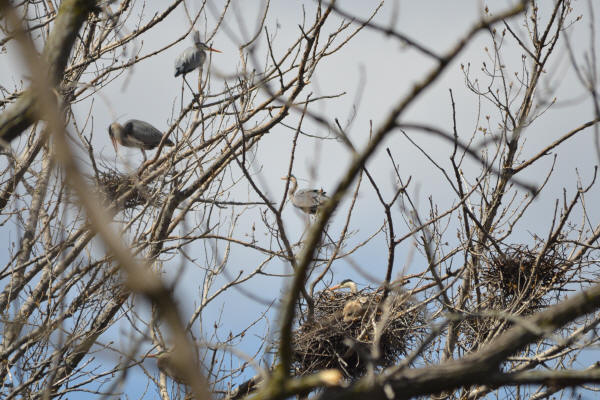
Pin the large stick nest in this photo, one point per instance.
(114, 185)
(517, 281)
(342, 335)
(523, 277)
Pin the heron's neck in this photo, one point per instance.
(293, 187)
(119, 134)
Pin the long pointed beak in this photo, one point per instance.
(335, 287)
(211, 49)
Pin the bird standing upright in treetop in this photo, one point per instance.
(308, 200)
(136, 133)
(192, 57)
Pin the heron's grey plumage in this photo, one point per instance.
(308, 200)
(196, 37)
(136, 133)
(192, 57)
(346, 284)
(189, 60)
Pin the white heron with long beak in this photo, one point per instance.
(192, 57)
(136, 133)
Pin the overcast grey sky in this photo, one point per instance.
(375, 72)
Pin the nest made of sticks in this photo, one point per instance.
(114, 185)
(516, 281)
(520, 274)
(337, 338)
(480, 327)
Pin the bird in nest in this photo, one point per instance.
(354, 308)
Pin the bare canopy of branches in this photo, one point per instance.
(188, 274)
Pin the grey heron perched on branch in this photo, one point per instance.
(192, 57)
(308, 200)
(136, 133)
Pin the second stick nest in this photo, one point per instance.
(343, 336)
(523, 277)
(518, 281)
(114, 185)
